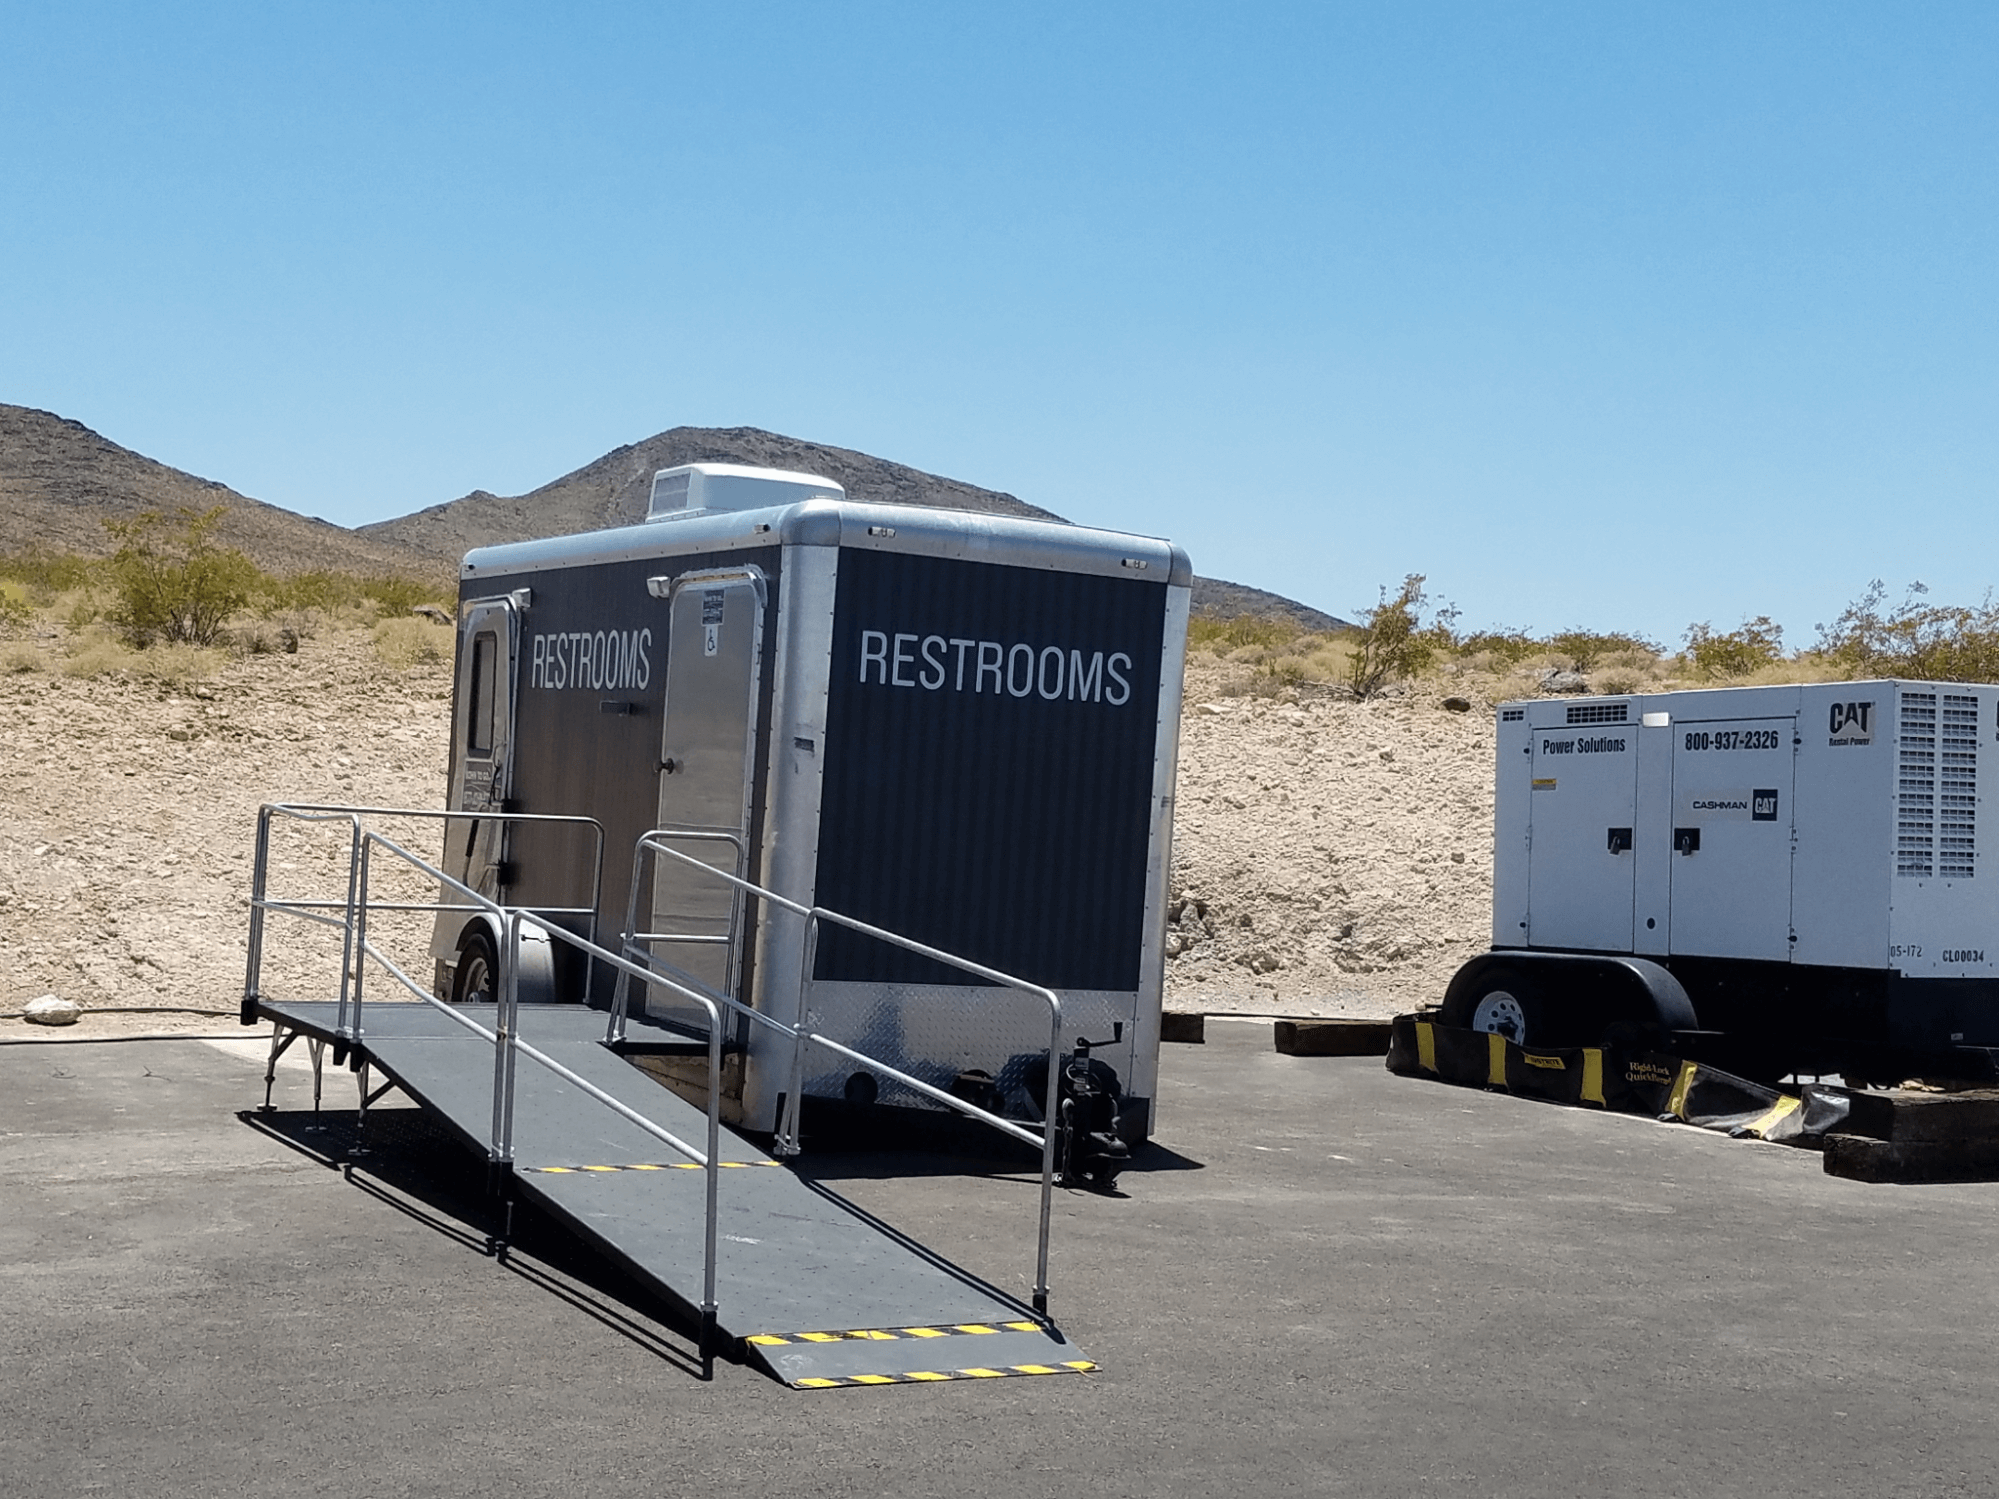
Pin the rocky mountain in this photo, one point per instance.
(613, 491)
(59, 482)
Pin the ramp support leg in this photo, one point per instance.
(708, 1343)
(280, 1039)
(500, 1184)
(318, 1049)
(361, 1112)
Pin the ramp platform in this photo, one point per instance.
(810, 1287)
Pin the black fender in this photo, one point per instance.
(534, 959)
(1650, 985)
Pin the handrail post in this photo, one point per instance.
(714, 1188)
(347, 938)
(1048, 1153)
(253, 969)
(496, 1151)
(361, 929)
(614, 1031)
(510, 987)
(788, 1142)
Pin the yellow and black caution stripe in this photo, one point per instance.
(918, 1333)
(890, 1335)
(921, 1377)
(1635, 1081)
(650, 1166)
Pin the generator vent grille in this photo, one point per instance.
(1916, 787)
(1957, 790)
(1512, 715)
(1598, 713)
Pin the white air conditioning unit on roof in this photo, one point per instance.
(691, 489)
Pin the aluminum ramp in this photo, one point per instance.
(815, 1290)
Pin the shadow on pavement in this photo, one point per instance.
(414, 1166)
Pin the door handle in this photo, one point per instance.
(1620, 840)
(1687, 840)
(669, 765)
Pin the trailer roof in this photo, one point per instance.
(974, 536)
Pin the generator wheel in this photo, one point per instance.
(477, 980)
(1507, 1003)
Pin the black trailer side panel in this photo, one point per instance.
(588, 718)
(990, 736)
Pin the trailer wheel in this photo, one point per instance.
(1506, 1003)
(478, 978)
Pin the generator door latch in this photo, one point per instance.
(1686, 841)
(1620, 841)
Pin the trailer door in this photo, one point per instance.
(482, 752)
(707, 761)
(1732, 819)
(1580, 865)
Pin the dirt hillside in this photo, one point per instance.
(59, 481)
(615, 489)
(1330, 858)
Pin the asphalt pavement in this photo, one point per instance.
(1324, 1279)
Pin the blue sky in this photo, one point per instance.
(1611, 315)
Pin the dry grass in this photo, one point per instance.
(1261, 658)
(22, 656)
(410, 641)
(99, 653)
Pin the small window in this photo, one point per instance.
(479, 712)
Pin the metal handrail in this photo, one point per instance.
(505, 1036)
(324, 812)
(615, 1029)
(787, 1135)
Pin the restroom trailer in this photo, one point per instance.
(1782, 878)
(957, 727)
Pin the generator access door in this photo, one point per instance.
(706, 765)
(1732, 817)
(1580, 880)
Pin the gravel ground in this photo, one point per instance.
(1329, 857)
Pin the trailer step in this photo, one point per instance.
(792, 1253)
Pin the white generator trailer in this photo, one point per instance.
(958, 728)
(1776, 879)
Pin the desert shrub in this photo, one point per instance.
(325, 591)
(395, 594)
(317, 589)
(1585, 648)
(408, 642)
(1504, 648)
(1755, 644)
(16, 607)
(1221, 636)
(172, 663)
(21, 656)
(1941, 642)
(46, 574)
(172, 582)
(1393, 643)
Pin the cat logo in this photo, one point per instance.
(1763, 805)
(1852, 723)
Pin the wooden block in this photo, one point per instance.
(1335, 1038)
(1867, 1160)
(1183, 1026)
(1971, 1115)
